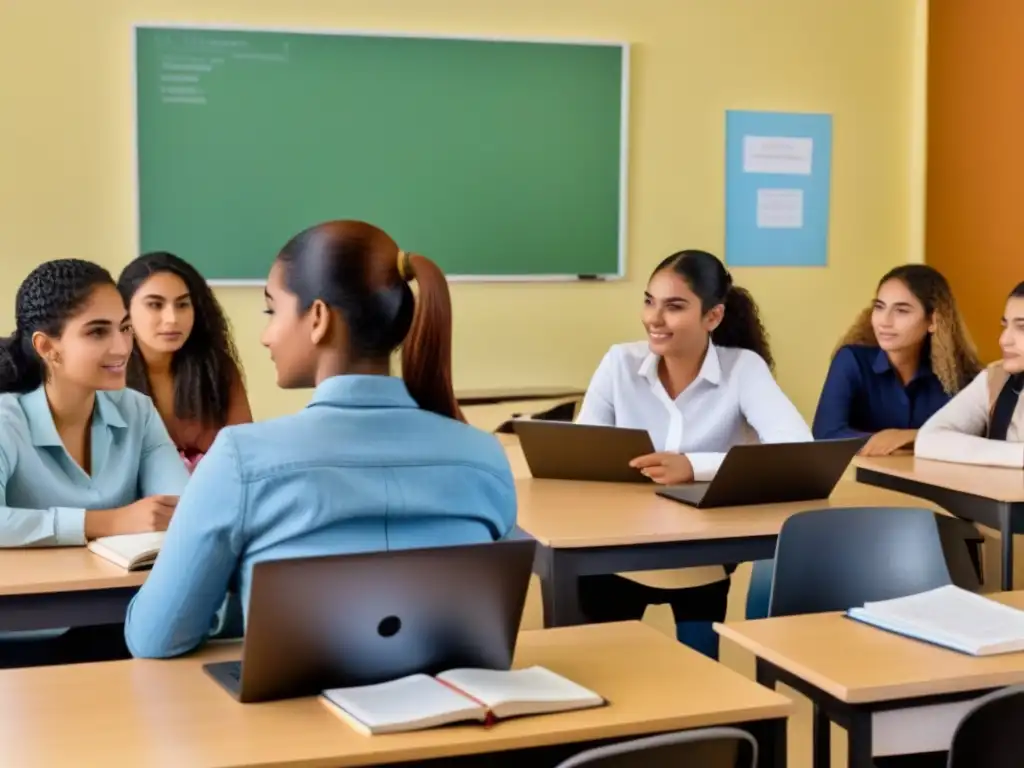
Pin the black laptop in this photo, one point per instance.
(771, 473)
(562, 450)
(343, 620)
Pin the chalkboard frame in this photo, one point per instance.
(624, 118)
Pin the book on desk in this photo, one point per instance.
(131, 551)
(416, 702)
(950, 617)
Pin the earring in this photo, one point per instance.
(55, 358)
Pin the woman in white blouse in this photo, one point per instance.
(984, 423)
(699, 384)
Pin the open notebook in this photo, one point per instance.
(420, 701)
(951, 617)
(133, 551)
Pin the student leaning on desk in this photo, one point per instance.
(984, 423)
(903, 358)
(373, 463)
(77, 449)
(698, 385)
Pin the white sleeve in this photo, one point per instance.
(765, 408)
(956, 432)
(599, 404)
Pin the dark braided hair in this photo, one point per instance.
(708, 278)
(206, 366)
(52, 294)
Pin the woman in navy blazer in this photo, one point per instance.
(903, 359)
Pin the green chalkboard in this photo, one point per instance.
(498, 159)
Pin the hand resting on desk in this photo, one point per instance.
(665, 468)
(152, 513)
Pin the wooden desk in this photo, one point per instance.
(858, 675)
(166, 714)
(489, 396)
(990, 496)
(62, 587)
(585, 529)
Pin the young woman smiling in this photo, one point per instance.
(700, 384)
(81, 457)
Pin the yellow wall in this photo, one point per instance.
(66, 186)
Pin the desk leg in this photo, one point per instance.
(1006, 531)
(771, 743)
(860, 741)
(559, 588)
(821, 739)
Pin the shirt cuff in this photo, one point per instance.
(69, 526)
(705, 465)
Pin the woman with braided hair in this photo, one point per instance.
(77, 449)
(375, 462)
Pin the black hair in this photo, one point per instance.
(708, 278)
(1017, 292)
(207, 367)
(52, 294)
(359, 270)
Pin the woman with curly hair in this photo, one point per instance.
(699, 384)
(184, 357)
(901, 361)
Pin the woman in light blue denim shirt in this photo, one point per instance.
(77, 450)
(373, 463)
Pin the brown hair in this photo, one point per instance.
(954, 359)
(360, 271)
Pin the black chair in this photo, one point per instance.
(838, 558)
(562, 412)
(990, 734)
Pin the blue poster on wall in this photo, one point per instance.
(778, 169)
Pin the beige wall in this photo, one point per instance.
(66, 184)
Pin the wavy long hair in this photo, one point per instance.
(953, 356)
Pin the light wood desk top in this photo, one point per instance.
(567, 514)
(62, 569)
(168, 714)
(997, 483)
(857, 663)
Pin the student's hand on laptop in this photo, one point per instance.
(152, 513)
(888, 441)
(665, 468)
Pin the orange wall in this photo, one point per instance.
(974, 220)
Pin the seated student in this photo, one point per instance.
(984, 423)
(698, 384)
(80, 456)
(373, 463)
(900, 362)
(184, 357)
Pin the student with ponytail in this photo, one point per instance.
(374, 462)
(701, 383)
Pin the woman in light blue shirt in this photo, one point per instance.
(372, 463)
(77, 449)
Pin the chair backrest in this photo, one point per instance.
(837, 558)
(990, 734)
(638, 751)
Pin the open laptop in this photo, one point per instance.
(562, 450)
(344, 620)
(771, 473)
